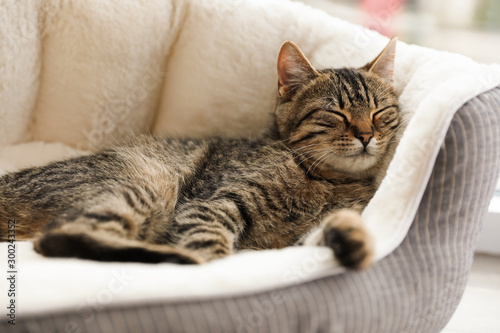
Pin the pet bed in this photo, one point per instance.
(80, 75)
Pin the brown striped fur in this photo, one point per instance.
(191, 201)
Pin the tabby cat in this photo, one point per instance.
(194, 200)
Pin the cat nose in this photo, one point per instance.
(365, 138)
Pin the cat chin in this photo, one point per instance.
(355, 165)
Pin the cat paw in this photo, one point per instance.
(345, 233)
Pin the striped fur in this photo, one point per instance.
(191, 201)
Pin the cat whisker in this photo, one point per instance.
(321, 161)
(323, 156)
(319, 152)
(310, 145)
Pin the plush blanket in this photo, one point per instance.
(79, 75)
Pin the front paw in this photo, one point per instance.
(345, 233)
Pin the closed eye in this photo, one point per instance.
(321, 123)
(382, 110)
(340, 115)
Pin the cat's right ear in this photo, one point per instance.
(383, 64)
(294, 70)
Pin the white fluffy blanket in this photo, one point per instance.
(85, 73)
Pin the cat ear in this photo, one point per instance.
(383, 64)
(294, 69)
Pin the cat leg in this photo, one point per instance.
(104, 238)
(35, 196)
(208, 228)
(123, 224)
(344, 232)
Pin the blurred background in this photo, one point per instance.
(469, 27)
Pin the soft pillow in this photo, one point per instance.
(103, 69)
(20, 52)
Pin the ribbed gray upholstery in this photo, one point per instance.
(414, 289)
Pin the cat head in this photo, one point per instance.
(336, 119)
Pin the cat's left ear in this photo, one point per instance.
(294, 70)
(383, 64)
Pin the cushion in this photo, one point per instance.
(217, 65)
(416, 288)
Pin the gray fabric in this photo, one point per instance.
(414, 289)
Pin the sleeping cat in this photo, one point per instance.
(191, 201)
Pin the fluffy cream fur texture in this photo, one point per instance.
(90, 72)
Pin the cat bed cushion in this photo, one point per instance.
(416, 288)
(215, 71)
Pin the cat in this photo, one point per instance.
(190, 201)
